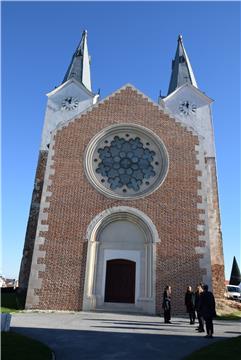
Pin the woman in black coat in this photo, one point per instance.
(166, 304)
(190, 304)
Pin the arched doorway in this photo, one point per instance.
(121, 266)
(120, 281)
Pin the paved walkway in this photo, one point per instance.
(105, 336)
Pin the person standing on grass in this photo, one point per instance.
(190, 304)
(207, 310)
(198, 293)
(166, 304)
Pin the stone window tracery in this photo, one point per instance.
(126, 161)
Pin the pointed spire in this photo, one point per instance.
(181, 68)
(79, 67)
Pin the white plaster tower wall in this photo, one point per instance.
(65, 102)
(192, 108)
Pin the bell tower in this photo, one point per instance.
(65, 102)
(73, 96)
(192, 107)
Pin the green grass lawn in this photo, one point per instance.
(5, 310)
(221, 350)
(236, 315)
(16, 346)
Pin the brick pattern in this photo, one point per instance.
(32, 222)
(218, 280)
(216, 242)
(173, 208)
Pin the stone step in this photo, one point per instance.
(119, 307)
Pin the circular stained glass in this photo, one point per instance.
(126, 161)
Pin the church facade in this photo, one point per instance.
(125, 199)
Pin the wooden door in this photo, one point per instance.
(120, 281)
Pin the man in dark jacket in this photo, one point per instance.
(198, 293)
(166, 304)
(207, 309)
(190, 304)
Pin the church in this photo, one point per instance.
(125, 198)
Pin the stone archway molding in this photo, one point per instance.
(119, 213)
(93, 232)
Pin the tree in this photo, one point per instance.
(235, 278)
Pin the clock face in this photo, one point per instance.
(187, 108)
(70, 103)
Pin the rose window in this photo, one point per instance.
(126, 161)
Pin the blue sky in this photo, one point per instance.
(129, 43)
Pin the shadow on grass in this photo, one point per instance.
(15, 346)
(226, 349)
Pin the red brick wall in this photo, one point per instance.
(74, 203)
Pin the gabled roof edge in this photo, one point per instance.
(94, 106)
(52, 92)
(197, 90)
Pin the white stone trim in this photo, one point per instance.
(146, 304)
(201, 216)
(123, 254)
(35, 283)
(98, 219)
(205, 261)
